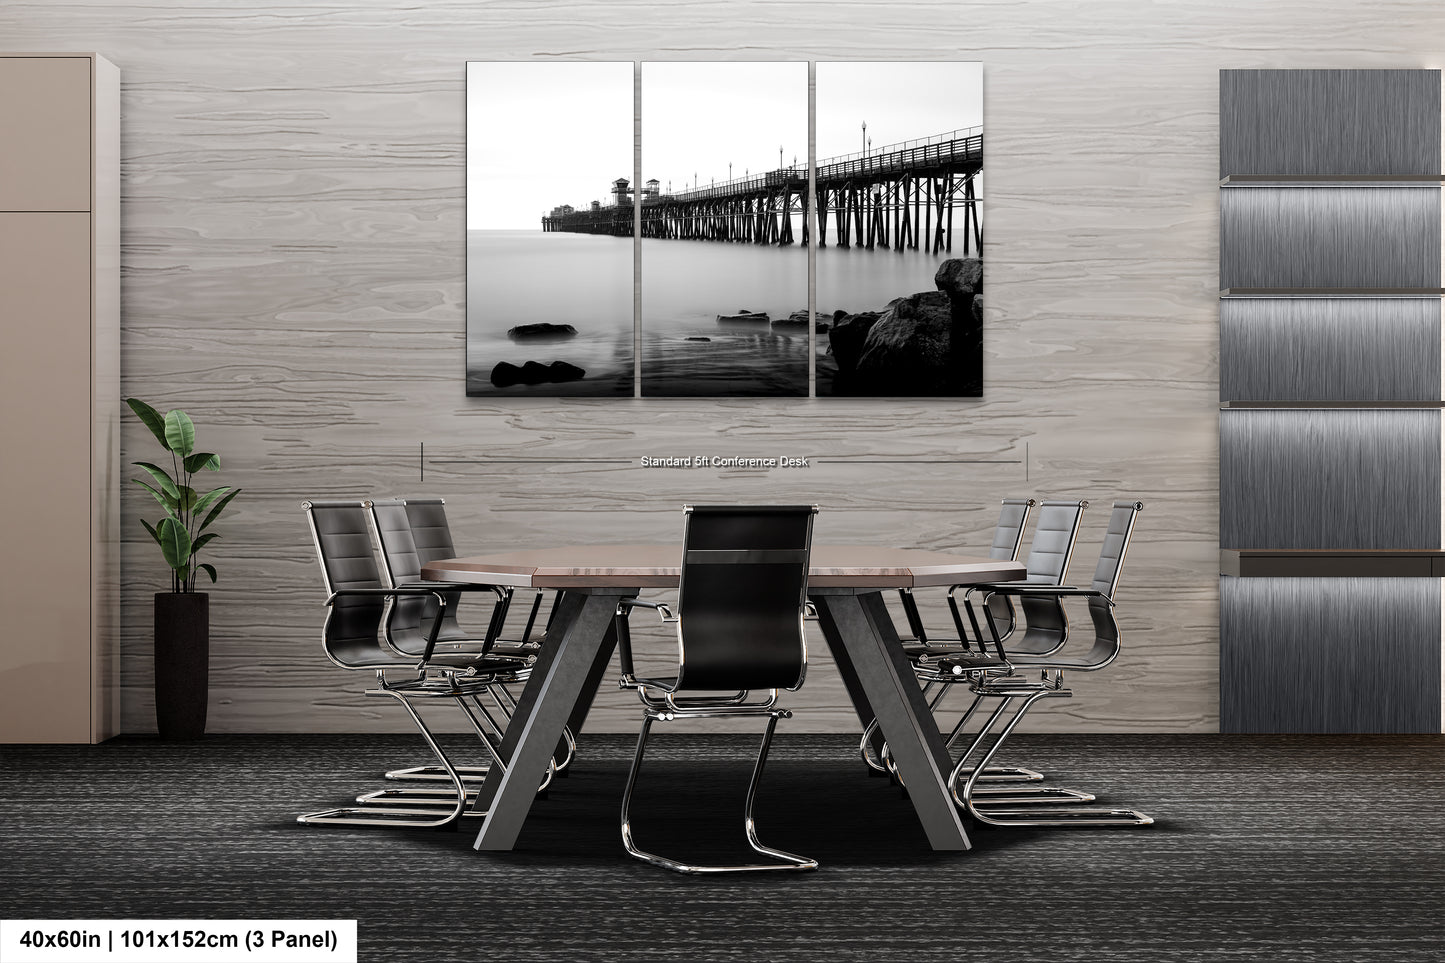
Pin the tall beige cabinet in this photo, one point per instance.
(59, 397)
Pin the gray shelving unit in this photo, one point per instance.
(1330, 401)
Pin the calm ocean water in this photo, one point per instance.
(519, 277)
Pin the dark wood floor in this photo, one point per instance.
(1266, 848)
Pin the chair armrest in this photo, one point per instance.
(662, 609)
(1055, 591)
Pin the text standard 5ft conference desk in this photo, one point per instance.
(845, 582)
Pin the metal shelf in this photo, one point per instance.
(1331, 563)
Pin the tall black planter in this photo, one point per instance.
(183, 645)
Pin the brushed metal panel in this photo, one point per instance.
(1329, 479)
(1312, 349)
(1329, 122)
(1365, 237)
(1329, 655)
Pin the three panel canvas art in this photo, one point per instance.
(695, 282)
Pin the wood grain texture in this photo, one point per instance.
(659, 566)
(1335, 646)
(1329, 479)
(1312, 349)
(294, 277)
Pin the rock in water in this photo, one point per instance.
(908, 350)
(562, 371)
(800, 319)
(962, 280)
(745, 316)
(506, 374)
(696, 338)
(845, 340)
(960, 276)
(535, 373)
(541, 329)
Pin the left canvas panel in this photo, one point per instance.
(549, 229)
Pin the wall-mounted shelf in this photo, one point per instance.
(1332, 563)
(1331, 292)
(1332, 180)
(1331, 405)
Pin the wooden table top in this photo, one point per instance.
(657, 566)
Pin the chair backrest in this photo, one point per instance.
(1008, 535)
(342, 536)
(1116, 544)
(1106, 579)
(429, 529)
(399, 524)
(1053, 543)
(741, 596)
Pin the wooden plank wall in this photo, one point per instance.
(294, 278)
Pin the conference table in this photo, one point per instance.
(845, 582)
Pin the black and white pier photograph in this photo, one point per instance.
(549, 229)
(899, 283)
(724, 239)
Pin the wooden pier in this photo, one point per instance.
(900, 197)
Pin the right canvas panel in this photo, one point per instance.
(899, 180)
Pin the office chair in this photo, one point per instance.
(994, 676)
(412, 532)
(741, 603)
(352, 638)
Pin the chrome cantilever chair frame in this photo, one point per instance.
(766, 660)
(354, 641)
(394, 524)
(1000, 683)
(1008, 536)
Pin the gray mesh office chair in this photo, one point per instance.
(741, 604)
(352, 639)
(998, 680)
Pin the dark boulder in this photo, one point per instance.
(562, 371)
(960, 277)
(696, 338)
(845, 340)
(505, 374)
(540, 330)
(908, 350)
(744, 316)
(535, 373)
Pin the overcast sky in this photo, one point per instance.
(544, 134)
(541, 134)
(900, 101)
(698, 117)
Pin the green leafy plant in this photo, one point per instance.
(181, 534)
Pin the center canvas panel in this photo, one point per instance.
(724, 242)
(549, 229)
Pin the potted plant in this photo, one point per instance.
(182, 615)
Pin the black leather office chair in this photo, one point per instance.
(352, 639)
(995, 676)
(412, 532)
(741, 604)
